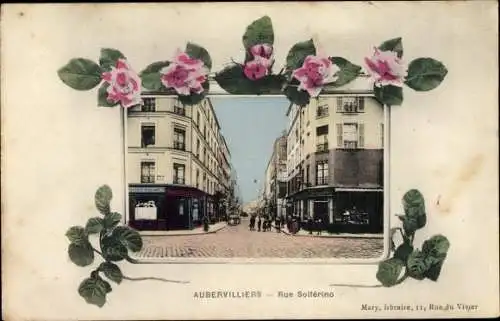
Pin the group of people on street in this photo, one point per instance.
(264, 223)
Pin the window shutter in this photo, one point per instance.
(361, 133)
(339, 136)
(382, 134)
(339, 104)
(361, 104)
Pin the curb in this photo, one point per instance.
(346, 236)
(145, 233)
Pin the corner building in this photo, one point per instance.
(178, 164)
(335, 155)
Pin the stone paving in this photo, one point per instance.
(238, 242)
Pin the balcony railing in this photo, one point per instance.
(180, 110)
(179, 145)
(351, 108)
(147, 179)
(148, 109)
(322, 147)
(322, 181)
(350, 144)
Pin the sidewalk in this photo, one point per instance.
(326, 234)
(196, 231)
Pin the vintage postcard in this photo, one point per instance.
(250, 160)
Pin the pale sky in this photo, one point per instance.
(250, 125)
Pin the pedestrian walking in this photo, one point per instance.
(259, 223)
(252, 223)
(278, 224)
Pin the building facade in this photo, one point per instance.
(275, 178)
(335, 151)
(178, 164)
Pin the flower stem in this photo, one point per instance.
(97, 251)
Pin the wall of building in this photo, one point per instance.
(200, 124)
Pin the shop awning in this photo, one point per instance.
(356, 189)
(184, 193)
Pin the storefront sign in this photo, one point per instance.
(149, 189)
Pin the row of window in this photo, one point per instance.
(349, 135)
(149, 105)
(148, 175)
(148, 137)
(179, 142)
(344, 105)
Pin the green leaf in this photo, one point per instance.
(103, 198)
(113, 249)
(425, 74)
(77, 235)
(198, 52)
(112, 219)
(389, 271)
(389, 95)
(151, 77)
(414, 207)
(81, 254)
(298, 97)
(413, 198)
(434, 270)
(416, 265)
(347, 73)
(435, 250)
(80, 74)
(109, 57)
(395, 44)
(194, 99)
(410, 224)
(129, 237)
(403, 251)
(111, 271)
(298, 53)
(436, 246)
(94, 225)
(102, 97)
(258, 32)
(94, 290)
(233, 80)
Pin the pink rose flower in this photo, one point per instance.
(184, 74)
(124, 84)
(262, 50)
(260, 66)
(386, 68)
(315, 72)
(257, 68)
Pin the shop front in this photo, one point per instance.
(165, 207)
(352, 210)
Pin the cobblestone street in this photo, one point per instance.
(238, 241)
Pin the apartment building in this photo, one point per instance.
(178, 164)
(335, 150)
(275, 179)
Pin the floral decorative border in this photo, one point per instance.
(306, 72)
